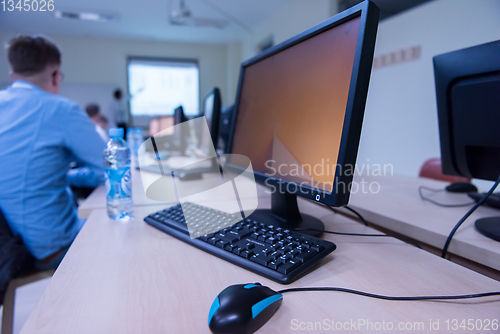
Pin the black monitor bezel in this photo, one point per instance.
(358, 90)
(217, 107)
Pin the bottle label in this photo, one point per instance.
(118, 182)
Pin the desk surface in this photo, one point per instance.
(399, 208)
(131, 278)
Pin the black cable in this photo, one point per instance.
(357, 214)
(447, 244)
(342, 233)
(424, 198)
(372, 295)
(357, 234)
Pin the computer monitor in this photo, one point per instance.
(226, 117)
(179, 135)
(179, 116)
(468, 101)
(211, 111)
(299, 111)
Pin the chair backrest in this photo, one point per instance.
(15, 259)
(432, 169)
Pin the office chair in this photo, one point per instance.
(431, 169)
(16, 269)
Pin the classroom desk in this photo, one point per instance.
(398, 207)
(132, 278)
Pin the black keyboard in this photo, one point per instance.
(276, 253)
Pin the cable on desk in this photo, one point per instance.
(372, 295)
(424, 198)
(341, 233)
(452, 233)
(409, 241)
(357, 214)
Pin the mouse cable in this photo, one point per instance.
(372, 295)
(452, 233)
(428, 199)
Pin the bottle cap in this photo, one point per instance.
(116, 132)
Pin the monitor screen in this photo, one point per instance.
(292, 106)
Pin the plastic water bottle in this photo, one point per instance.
(118, 177)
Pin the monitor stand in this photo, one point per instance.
(285, 213)
(489, 227)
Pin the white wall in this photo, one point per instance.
(101, 61)
(400, 125)
(297, 17)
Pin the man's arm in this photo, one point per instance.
(87, 146)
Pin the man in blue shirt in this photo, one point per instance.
(40, 135)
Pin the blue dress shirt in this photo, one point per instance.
(40, 135)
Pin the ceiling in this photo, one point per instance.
(147, 19)
(387, 7)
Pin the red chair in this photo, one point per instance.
(431, 169)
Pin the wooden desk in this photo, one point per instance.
(131, 278)
(399, 208)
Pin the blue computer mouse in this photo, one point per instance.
(243, 308)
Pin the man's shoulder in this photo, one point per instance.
(60, 101)
(38, 95)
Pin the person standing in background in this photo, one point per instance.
(117, 114)
(41, 133)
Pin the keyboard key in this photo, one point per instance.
(247, 254)
(271, 240)
(221, 244)
(317, 247)
(230, 247)
(261, 259)
(288, 267)
(305, 255)
(238, 250)
(274, 264)
(275, 255)
(250, 246)
(293, 253)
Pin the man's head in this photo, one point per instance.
(93, 112)
(117, 94)
(37, 60)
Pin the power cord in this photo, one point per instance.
(424, 198)
(350, 209)
(343, 233)
(357, 214)
(355, 234)
(372, 295)
(452, 233)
